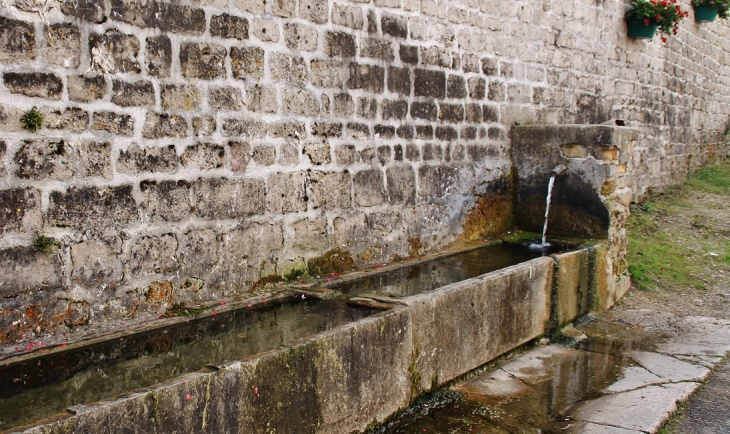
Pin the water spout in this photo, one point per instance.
(558, 170)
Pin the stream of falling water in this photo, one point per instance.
(547, 208)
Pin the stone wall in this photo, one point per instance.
(190, 148)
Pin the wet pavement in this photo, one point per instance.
(625, 374)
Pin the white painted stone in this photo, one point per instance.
(645, 409)
(634, 377)
(669, 367)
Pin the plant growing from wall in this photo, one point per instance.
(44, 244)
(663, 15)
(707, 10)
(32, 120)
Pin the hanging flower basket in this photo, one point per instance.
(645, 17)
(639, 30)
(708, 10)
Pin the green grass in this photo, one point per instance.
(657, 256)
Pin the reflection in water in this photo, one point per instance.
(430, 275)
(48, 385)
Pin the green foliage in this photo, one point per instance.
(713, 179)
(44, 244)
(294, 274)
(722, 6)
(664, 13)
(335, 261)
(32, 120)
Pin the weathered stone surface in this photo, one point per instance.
(491, 113)
(436, 56)
(263, 99)
(204, 126)
(245, 252)
(26, 268)
(180, 97)
(168, 17)
(473, 113)
(267, 30)
(432, 152)
(455, 86)
(20, 210)
(384, 132)
(311, 235)
(300, 37)
(394, 25)
(198, 251)
(147, 160)
(62, 45)
(247, 129)
(289, 154)
(331, 190)
(435, 182)
(43, 159)
(369, 187)
(115, 123)
(367, 107)
(256, 7)
(225, 98)
(326, 129)
(86, 88)
(91, 207)
(247, 62)
(288, 129)
(221, 198)
(285, 67)
(405, 131)
(158, 125)
(375, 48)
(343, 105)
(346, 155)
(572, 285)
(72, 119)
(358, 131)
(94, 263)
(17, 41)
(264, 155)
(284, 8)
(477, 87)
(228, 26)
(424, 131)
(90, 10)
(154, 254)
(240, 156)
(408, 54)
(158, 55)
(204, 61)
(128, 94)
(327, 73)
(286, 192)
(113, 52)
(348, 16)
(399, 81)
(339, 44)
(429, 83)
(40, 84)
(3, 150)
(166, 200)
(401, 185)
(424, 110)
(452, 113)
(297, 101)
(394, 109)
(204, 156)
(316, 11)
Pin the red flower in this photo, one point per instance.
(646, 21)
(658, 17)
(664, 39)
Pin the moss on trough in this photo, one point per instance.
(334, 261)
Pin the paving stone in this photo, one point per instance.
(668, 367)
(634, 377)
(702, 337)
(592, 428)
(645, 409)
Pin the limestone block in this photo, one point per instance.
(25, 268)
(435, 182)
(228, 26)
(424, 110)
(225, 98)
(291, 129)
(247, 128)
(339, 44)
(247, 62)
(72, 119)
(358, 131)
(331, 190)
(94, 263)
(168, 17)
(311, 235)
(240, 155)
(394, 25)
(90, 10)
(326, 129)
(20, 210)
(435, 56)
(264, 155)
(289, 154)
(346, 155)
(154, 254)
(158, 56)
(429, 83)
(327, 73)
(198, 251)
(376, 48)
(408, 54)
(204, 156)
(92, 207)
(369, 187)
(298, 101)
(221, 198)
(166, 200)
(62, 45)
(38, 84)
(113, 52)
(204, 125)
(86, 88)
(405, 131)
(137, 93)
(17, 41)
(180, 96)
(399, 81)
(284, 8)
(401, 185)
(148, 160)
(343, 105)
(263, 99)
(285, 67)
(316, 11)
(367, 107)
(204, 61)
(267, 30)
(114, 123)
(286, 192)
(158, 125)
(300, 37)
(256, 7)
(348, 16)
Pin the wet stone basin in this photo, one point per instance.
(40, 387)
(433, 274)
